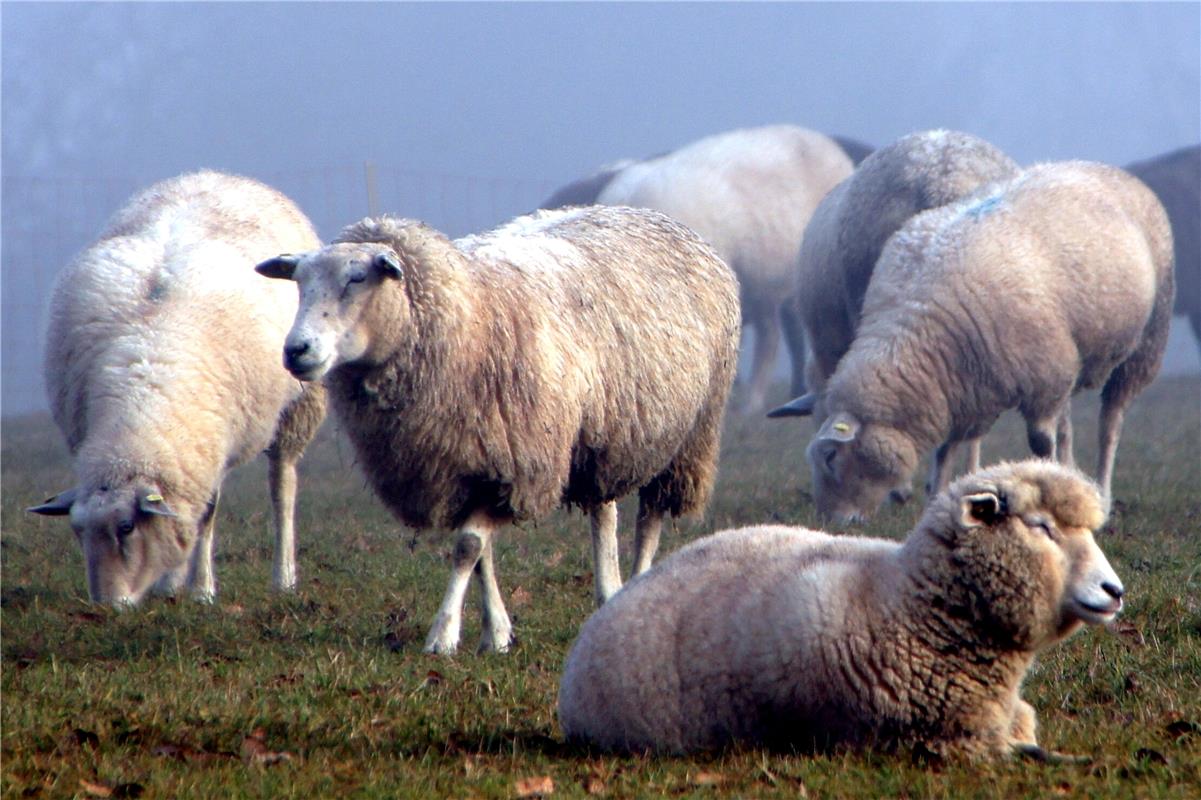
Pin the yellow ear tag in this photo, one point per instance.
(154, 498)
(841, 427)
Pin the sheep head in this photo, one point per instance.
(1017, 553)
(130, 537)
(339, 286)
(856, 465)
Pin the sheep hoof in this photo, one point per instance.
(1036, 753)
(442, 641)
(206, 596)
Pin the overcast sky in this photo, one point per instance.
(530, 96)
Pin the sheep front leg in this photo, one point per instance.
(497, 629)
(646, 539)
(473, 538)
(282, 481)
(605, 564)
(201, 578)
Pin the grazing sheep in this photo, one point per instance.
(750, 194)
(1057, 280)
(567, 357)
(162, 370)
(788, 637)
(847, 232)
(1176, 179)
(585, 191)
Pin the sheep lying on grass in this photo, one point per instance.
(162, 369)
(790, 637)
(567, 357)
(1057, 280)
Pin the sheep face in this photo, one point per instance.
(856, 466)
(338, 286)
(130, 538)
(1023, 562)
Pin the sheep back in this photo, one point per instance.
(567, 357)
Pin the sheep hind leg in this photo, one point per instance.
(497, 630)
(473, 538)
(201, 579)
(1063, 439)
(282, 481)
(646, 538)
(605, 563)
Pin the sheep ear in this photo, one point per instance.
(57, 506)
(281, 267)
(983, 509)
(154, 504)
(842, 427)
(797, 407)
(388, 264)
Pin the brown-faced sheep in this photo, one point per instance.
(567, 357)
(789, 637)
(1057, 280)
(162, 369)
(1176, 179)
(847, 232)
(750, 194)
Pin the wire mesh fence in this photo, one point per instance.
(47, 221)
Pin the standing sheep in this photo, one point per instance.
(162, 369)
(567, 357)
(1176, 179)
(750, 194)
(789, 637)
(1057, 280)
(847, 232)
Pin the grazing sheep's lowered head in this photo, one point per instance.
(130, 536)
(857, 465)
(1018, 537)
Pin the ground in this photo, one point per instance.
(327, 693)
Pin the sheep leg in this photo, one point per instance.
(940, 476)
(1041, 434)
(1112, 417)
(469, 546)
(973, 455)
(201, 579)
(763, 360)
(282, 481)
(1063, 439)
(646, 538)
(497, 632)
(794, 338)
(606, 568)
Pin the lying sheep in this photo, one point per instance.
(1057, 280)
(162, 369)
(567, 357)
(749, 193)
(789, 637)
(855, 149)
(1176, 179)
(847, 232)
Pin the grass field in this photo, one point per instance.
(327, 692)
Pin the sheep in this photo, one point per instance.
(849, 228)
(787, 637)
(162, 373)
(567, 357)
(749, 193)
(1057, 280)
(1176, 179)
(855, 149)
(583, 192)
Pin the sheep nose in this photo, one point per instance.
(1113, 590)
(293, 353)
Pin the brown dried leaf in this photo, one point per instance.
(255, 751)
(520, 597)
(86, 738)
(1181, 728)
(433, 677)
(707, 779)
(233, 609)
(539, 786)
(595, 786)
(1151, 756)
(95, 789)
(554, 559)
(1129, 633)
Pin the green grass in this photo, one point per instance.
(174, 699)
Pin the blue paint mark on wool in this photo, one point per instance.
(984, 206)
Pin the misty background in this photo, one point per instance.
(469, 114)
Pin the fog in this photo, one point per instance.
(470, 113)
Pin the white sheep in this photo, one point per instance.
(849, 228)
(162, 369)
(1057, 280)
(569, 357)
(1175, 178)
(750, 194)
(792, 638)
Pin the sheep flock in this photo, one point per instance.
(588, 351)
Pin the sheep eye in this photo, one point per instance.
(356, 277)
(1044, 526)
(125, 528)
